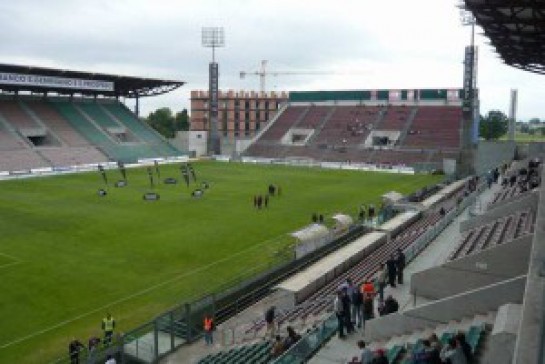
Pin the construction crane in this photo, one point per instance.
(263, 73)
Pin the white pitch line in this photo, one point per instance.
(10, 257)
(134, 295)
(10, 264)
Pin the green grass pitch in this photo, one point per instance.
(79, 255)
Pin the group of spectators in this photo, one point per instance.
(76, 348)
(281, 344)
(525, 178)
(353, 305)
(456, 351)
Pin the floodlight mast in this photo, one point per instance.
(213, 37)
(470, 102)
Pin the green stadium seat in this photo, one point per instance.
(394, 352)
(473, 336)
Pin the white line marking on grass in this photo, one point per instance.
(10, 264)
(134, 295)
(10, 257)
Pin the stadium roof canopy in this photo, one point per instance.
(17, 78)
(516, 29)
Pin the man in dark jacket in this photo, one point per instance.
(74, 348)
(400, 265)
(392, 270)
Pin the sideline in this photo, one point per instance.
(134, 295)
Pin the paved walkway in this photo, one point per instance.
(342, 351)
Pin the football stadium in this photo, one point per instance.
(368, 225)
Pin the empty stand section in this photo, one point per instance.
(21, 159)
(282, 124)
(60, 132)
(502, 230)
(54, 121)
(257, 353)
(16, 116)
(435, 127)
(349, 125)
(145, 133)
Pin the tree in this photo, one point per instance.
(163, 121)
(534, 121)
(182, 120)
(493, 125)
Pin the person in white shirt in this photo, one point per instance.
(110, 360)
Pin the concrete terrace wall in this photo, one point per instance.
(492, 154)
(474, 271)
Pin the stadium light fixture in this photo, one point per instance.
(213, 37)
(467, 19)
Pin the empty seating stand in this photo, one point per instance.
(502, 230)
(435, 127)
(256, 353)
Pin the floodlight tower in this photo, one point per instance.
(213, 37)
(470, 103)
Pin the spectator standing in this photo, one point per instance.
(339, 312)
(356, 299)
(346, 309)
(392, 271)
(381, 281)
(400, 265)
(208, 328)
(74, 349)
(266, 201)
(269, 319)
(108, 326)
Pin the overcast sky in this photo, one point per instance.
(363, 44)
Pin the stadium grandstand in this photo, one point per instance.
(378, 127)
(53, 118)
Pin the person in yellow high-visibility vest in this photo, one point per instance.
(108, 325)
(208, 326)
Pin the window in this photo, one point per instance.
(247, 105)
(246, 116)
(257, 115)
(266, 105)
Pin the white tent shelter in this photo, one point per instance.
(310, 238)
